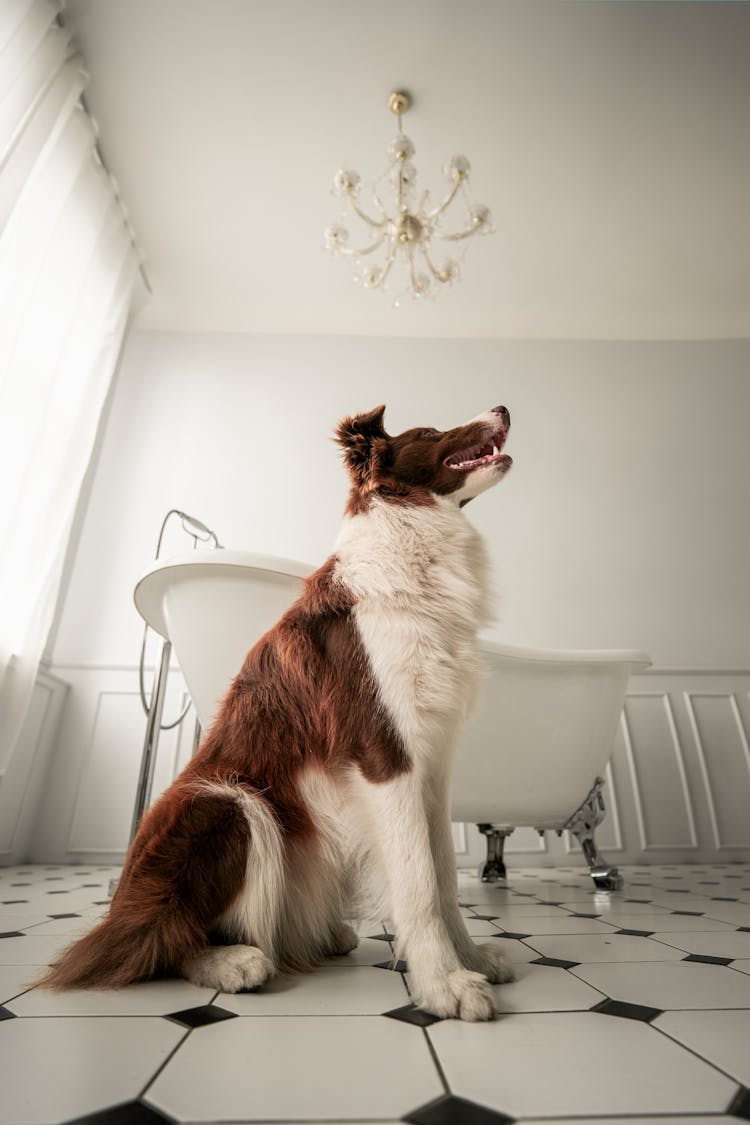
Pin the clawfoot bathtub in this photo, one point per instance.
(531, 755)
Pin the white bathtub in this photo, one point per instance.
(531, 755)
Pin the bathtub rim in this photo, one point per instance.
(153, 583)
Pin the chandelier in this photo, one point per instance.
(405, 235)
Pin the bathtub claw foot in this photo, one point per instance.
(607, 878)
(493, 868)
(583, 825)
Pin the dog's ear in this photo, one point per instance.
(364, 442)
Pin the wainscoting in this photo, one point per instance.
(677, 787)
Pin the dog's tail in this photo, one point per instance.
(187, 866)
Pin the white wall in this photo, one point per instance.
(623, 523)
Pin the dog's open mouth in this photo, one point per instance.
(479, 456)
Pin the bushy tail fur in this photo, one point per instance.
(185, 868)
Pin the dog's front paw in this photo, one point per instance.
(230, 968)
(462, 995)
(494, 964)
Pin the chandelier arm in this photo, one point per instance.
(387, 268)
(431, 267)
(350, 252)
(459, 235)
(412, 275)
(446, 202)
(365, 217)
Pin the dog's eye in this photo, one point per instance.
(427, 433)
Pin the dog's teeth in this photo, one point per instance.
(495, 451)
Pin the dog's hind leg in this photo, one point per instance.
(188, 864)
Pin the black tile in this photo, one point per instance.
(514, 937)
(53, 878)
(6, 1015)
(411, 1014)
(703, 959)
(677, 891)
(487, 917)
(636, 933)
(20, 884)
(382, 937)
(740, 1106)
(743, 929)
(12, 933)
(199, 1017)
(450, 1110)
(715, 898)
(129, 1113)
(394, 966)
(14, 901)
(709, 883)
(467, 905)
(555, 963)
(577, 915)
(626, 1011)
(57, 892)
(688, 913)
(644, 901)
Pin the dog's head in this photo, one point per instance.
(419, 464)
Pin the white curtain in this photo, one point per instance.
(67, 269)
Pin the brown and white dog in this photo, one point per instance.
(327, 769)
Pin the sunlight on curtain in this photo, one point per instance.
(67, 269)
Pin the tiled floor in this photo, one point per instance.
(628, 1006)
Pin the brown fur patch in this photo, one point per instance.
(304, 695)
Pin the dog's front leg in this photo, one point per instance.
(487, 958)
(439, 981)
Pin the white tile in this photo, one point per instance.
(528, 908)
(368, 952)
(330, 991)
(30, 950)
(73, 927)
(743, 966)
(298, 1068)
(737, 913)
(721, 1037)
(543, 988)
(15, 979)
(731, 944)
(670, 984)
(704, 1119)
(153, 998)
(10, 922)
(664, 922)
(600, 947)
(557, 924)
(479, 928)
(65, 1068)
(563, 1064)
(516, 951)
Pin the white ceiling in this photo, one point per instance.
(610, 140)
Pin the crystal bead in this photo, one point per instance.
(457, 168)
(335, 237)
(346, 182)
(401, 148)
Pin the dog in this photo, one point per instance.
(325, 777)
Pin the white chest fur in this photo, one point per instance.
(420, 578)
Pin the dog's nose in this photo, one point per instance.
(503, 412)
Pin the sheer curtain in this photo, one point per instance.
(67, 270)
